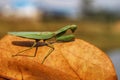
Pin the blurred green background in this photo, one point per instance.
(98, 20)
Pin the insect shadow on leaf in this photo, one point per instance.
(27, 43)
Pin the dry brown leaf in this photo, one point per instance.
(76, 60)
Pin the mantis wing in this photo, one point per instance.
(33, 35)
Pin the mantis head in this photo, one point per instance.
(73, 28)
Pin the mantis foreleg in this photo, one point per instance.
(49, 52)
(18, 54)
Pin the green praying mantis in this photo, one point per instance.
(45, 36)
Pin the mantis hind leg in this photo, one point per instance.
(18, 54)
(49, 52)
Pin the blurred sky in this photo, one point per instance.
(68, 6)
(108, 4)
(112, 5)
